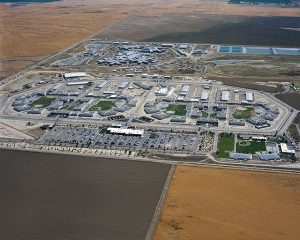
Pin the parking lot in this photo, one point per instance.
(99, 138)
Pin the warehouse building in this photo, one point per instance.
(101, 84)
(123, 85)
(184, 90)
(74, 75)
(78, 83)
(204, 96)
(240, 156)
(249, 96)
(264, 156)
(225, 96)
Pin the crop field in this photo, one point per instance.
(245, 31)
(43, 102)
(226, 145)
(103, 105)
(290, 98)
(214, 204)
(179, 110)
(64, 197)
(243, 114)
(250, 146)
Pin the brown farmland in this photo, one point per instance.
(31, 32)
(290, 98)
(63, 197)
(212, 204)
(34, 31)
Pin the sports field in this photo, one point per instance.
(226, 145)
(244, 114)
(250, 146)
(43, 102)
(103, 105)
(179, 110)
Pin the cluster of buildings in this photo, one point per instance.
(273, 151)
(133, 54)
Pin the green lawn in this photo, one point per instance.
(103, 105)
(42, 102)
(244, 114)
(254, 146)
(226, 145)
(204, 114)
(68, 107)
(179, 110)
(213, 115)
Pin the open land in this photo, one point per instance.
(25, 41)
(290, 98)
(64, 197)
(230, 204)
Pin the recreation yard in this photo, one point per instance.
(179, 110)
(103, 105)
(42, 102)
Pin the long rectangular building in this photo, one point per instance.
(74, 75)
(126, 131)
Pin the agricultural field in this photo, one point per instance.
(179, 110)
(213, 204)
(290, 98)
(250, 146)
(103, 105)
(43, 102)
(54, 196)
(226, 145)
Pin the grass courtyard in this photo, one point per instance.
(42, 102)
(179, 110)
(103, 105)
(244, 114)
(250, 146)
(68, 107)
(226, 145)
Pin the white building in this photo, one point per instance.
(126, 131)
(225, 96)
(204, 96)
(249, 96)
(284, 149)
(78, 83)
(184, 90)
(75, 75)
(162, 91)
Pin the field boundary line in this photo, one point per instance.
(160, 204)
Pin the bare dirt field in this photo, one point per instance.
(63, 197)
(31, 32)
(206, 203)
